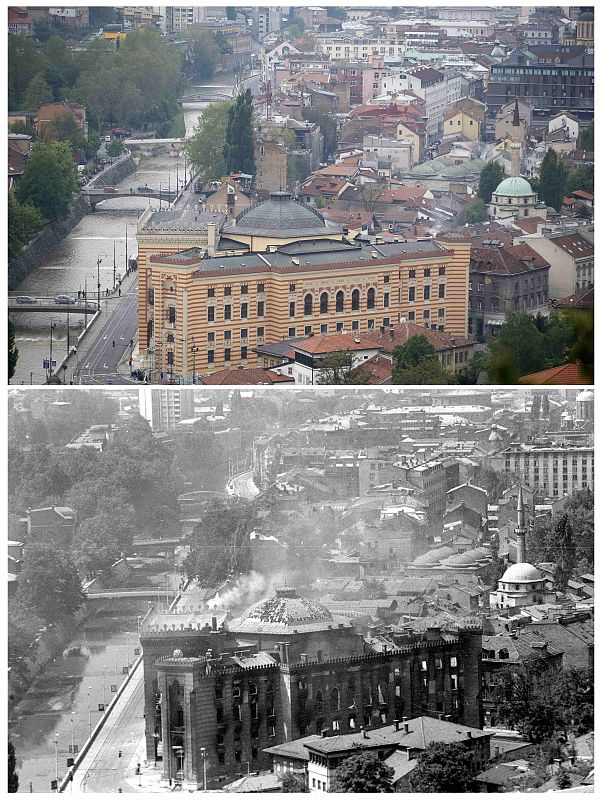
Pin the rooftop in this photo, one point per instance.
(280, 217)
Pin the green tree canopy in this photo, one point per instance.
(24, 62)
(205, 147)
(49, 179)
(37, 93)
(49, 583)
(219, 541)
(115, 148)
(475, 212)
(238, 151)
(443, 768)
(552, 180)
(585, 140)
(417, 362)
(336, 369)
(23, 222)
(580, 178)
(362, 773)
(489, 179)
(202, 56)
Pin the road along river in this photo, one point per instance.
(73, 265)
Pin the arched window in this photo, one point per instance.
(339, 301)
(308, 303)
(335, 700)
(355, 300)
(318, 698)
(324, 303)
(371, 298)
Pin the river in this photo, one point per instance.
(72, 265)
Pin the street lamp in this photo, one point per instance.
(56, 761)
(52, 327)
(203, 754)
(194, 351)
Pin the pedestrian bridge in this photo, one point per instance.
(49, 304)
(149, 146)
(95, 196)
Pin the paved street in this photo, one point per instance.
(102, 770)
(243, 486)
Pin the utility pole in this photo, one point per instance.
(68, 333)
(126, 258)
(114, 264)
(52, 326)
(98, 265)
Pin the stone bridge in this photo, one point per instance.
(95, 196)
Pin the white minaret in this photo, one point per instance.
(515, 160)
(520, 530)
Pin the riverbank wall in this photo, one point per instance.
(38, 249)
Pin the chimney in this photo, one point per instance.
(214, 623)
(304, 658)
(397, 724)
(324, 733)
(364, 733)
(406, 730)
(469, 735)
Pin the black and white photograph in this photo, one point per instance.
(335, 589)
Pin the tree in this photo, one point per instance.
(543, 700)
(49, 179)
(362, 773)
(536, 405)
(563, 778)
(417, 362)
(580, 178)
(115, 148)
(49, 583)
(102, 539)
(201, 59)
(370, 193)
(374, 589)
(205, 147)
(476, 370)
(475, 212)
(293, 783)
(37, 93)
(553, 176)
(517, 350)
(24, 62)
(13, 353)
(336, 369)
(23, 222)
(489, 179)
(219, 541)
(13, 778)
(327, 124)
(585, 140)
(239, 136)
(443, 768)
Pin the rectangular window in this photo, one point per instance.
(426, 292)
(441, 313)
(227, 312)
(171, 317)
(227, 336)
(170, 358)
(324, 328)
(211, 337)
(355, 326)
(210, 313)
(307, 330)
(412, 273)
(291, 332)
(386, 300)
(227, 291)
(211, 356)
(243, 353)
(339, 327)
(386, 322)
(260, 287)
(260, 308)
(442, 271)
(411, 294)
(210, 292)
(292, 309)
(411, 316)
(227, 354)
(243, 333)
(260, 332)
(292, 287)
(244, 289)
(244, 311)
(427, 272)
(371, 324)
(442, 291)
(386, 278)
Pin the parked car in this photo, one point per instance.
(144, 189)
(109, 190)
(64, 299)
(26, 300)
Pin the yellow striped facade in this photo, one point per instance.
(177, 319)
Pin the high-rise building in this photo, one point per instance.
(165, 408)
(177, 18)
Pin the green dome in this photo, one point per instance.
(514, 187)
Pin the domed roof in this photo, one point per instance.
(280, 217)
(514, 187)
(521, 573)
(433, 557)
(461, 560)
(585, 396)
(283, 611)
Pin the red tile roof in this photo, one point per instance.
(506, 260)
(581, 300)
(441, 340)
(378, 369)
(575, 245)
(335, 343)
(565, 375)
(245, 377)
(529, 224)
(585, 195)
